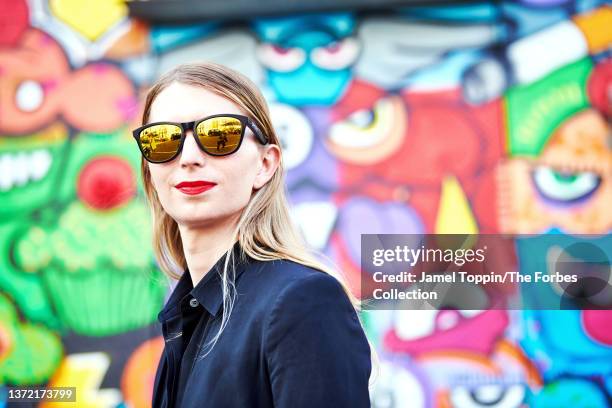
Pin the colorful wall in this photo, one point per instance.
(477, 118)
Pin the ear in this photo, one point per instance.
(268, 163)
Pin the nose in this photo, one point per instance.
(191, 155)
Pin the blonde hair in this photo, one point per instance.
(265, 230)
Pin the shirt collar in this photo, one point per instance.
(208, 291)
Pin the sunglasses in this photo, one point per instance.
(217, 135)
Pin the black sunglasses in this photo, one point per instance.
(217, 135)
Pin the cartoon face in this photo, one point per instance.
(38, 89)
(368, 126)
(450, 378)
(32, 73)
(410, 147)
(567, 187)
(503, 378)
(409, 163)
(308, 59)
(38, 86)
(431, 132)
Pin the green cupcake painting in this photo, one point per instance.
(97, 268)
(91, 249)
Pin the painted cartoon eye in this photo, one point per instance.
(362, 118)
(368, 136)
(362, 128)
(295, 133)
(415, 324)
(29, 96)
(337, 55)
(489, 395)
(564, 187)
(280, 59)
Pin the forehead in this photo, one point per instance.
(183, 103)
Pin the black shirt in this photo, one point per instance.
(292, 340)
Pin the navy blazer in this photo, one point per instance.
(293, 340)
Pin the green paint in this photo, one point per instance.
(35, 352)
(81, 269)
(97, 267)
(535, 110)
(19, 200)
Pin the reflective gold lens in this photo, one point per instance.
(220, 135)
(160, 142)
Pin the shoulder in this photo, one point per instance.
(313, 318)
(302, 296)
(282, 293)
(287, 280)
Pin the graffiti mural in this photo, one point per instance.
(482, 117)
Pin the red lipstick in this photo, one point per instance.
(194, 187)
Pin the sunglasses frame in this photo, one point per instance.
(245, 121)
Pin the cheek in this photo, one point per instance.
(239, 178)
(240, 182)
(158, 175)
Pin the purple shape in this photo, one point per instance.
(361, 215)
(320, 168)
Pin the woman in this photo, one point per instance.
(254, 321)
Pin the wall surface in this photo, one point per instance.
(477, 118)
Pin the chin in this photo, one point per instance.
(195, 221)
(200, 215)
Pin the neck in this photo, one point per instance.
(203, 247)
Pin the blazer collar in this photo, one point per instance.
(208, 291)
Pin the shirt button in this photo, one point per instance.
(194, 302)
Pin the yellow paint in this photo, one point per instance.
(91, 18)
(84, 371)
(56, 132)
(595, 26)
(455, 215)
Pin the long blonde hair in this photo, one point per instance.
(265, 230)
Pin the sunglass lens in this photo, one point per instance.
(160, 142)
(220, 135)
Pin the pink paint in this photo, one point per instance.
(106, 182)
(49, 85)
(599, 87)
(598, 325)
(100, 69)
(14, 21)
(477, 334)
(127, 106)
(46, 40)
(333, 48)
(280, 50)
